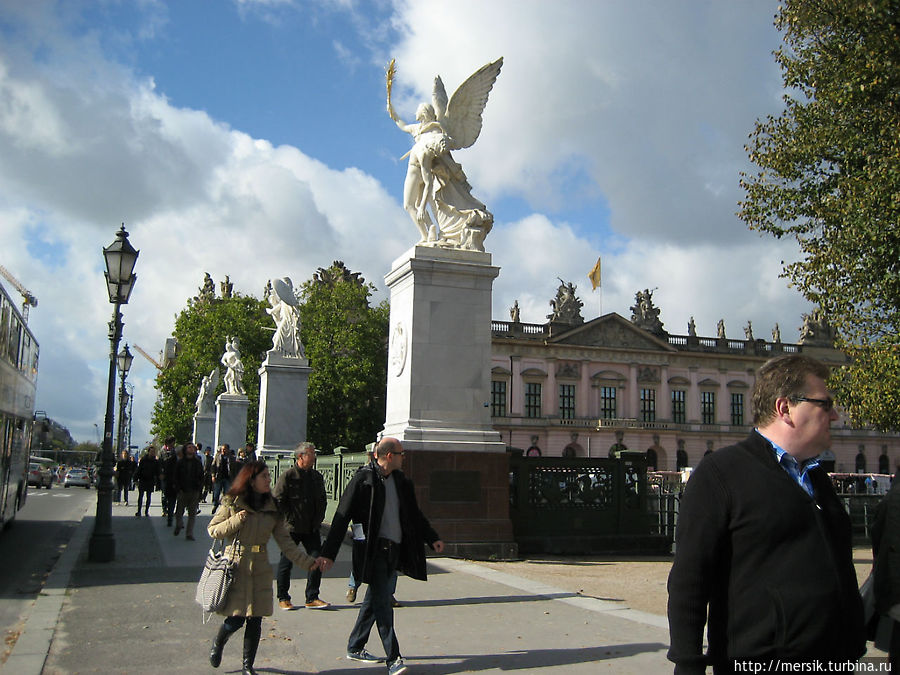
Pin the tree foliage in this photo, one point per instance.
(201, 329)
(829, 176)
(346, 343)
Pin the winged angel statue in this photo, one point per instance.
(434, 179)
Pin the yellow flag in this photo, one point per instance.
(594, 276)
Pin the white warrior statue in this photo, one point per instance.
(206, 397)
(285, 311)
(234, 372)
(433, 178)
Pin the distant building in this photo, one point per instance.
(568, 379)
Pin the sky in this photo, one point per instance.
(249, 138)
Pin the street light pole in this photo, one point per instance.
(124, 360)
(120, 259)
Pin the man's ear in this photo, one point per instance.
(782, 407)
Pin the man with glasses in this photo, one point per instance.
(388, 533)
(763, 545)
(300, 494)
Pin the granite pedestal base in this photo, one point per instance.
(205, 430)
(283, 388)
(231, 420)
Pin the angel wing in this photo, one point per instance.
(214, 379)
(461, 119)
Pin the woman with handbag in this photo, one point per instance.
(249, 518)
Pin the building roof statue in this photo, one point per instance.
(644, 314)
(816, 331)
(566, 306)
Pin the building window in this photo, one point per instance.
(648, 405)
(498, 398)
(532, 399)
(607, 403)
(737, 410)
(679, 409)
(707, 407)
(566, 401)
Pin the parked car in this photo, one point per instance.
(78, 478)
(40, 476)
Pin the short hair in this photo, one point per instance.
(303, 447)
(170, 440)
(782, 377)
(386, 445)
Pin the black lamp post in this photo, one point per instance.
(124, 360)
(120, 258)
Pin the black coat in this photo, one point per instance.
(363, 503)
(188, 474)
(886, 549)
(301, 498)
(773, 565)
(147, 473)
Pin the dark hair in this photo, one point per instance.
(242, 482)
(782, 377)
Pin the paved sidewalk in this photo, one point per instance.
(137, 615)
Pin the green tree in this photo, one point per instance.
(346, 343)
(201, 329)
(829, 176)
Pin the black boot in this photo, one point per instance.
(251, 642)
(215, 654)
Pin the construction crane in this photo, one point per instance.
(148, 357)
(29, 299)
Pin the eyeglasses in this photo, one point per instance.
(827, 404)
(398, 453)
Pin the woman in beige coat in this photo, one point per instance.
(249, 518)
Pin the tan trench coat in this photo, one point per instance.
(251, 592)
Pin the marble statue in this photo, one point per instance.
(226, 287)
(816, 330)
(776, 334)
(692, 328)
(285, 311)
(434, 180)
(748, 331)
(566, 306)
(720, 329)
(234, 372)
(208, 289)
(206, 399)
(514, 312)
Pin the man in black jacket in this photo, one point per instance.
(188, 481)
(300, 494)
(389, 533)
(763, 545)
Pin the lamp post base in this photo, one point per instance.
(101, 548)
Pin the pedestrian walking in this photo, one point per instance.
(763, 546)
(147, 478)
(124, 471)
(222, 473)
(389, 533)
(249, 518)
(169, 487)
(208, 460)
(885, 536)
(188, 480)
(300, 495)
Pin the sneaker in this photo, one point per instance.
(351, 594)
(138, 514)
(286, 605)
(364, 656)
(317, 604)
(397, 667)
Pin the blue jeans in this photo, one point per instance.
(219, 487)
(376, 607)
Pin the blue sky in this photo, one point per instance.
(250, 138)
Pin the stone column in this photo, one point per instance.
(231, 420)
(438, 396)
(283, 389)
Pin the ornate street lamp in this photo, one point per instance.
(124, 360)
(120, 259)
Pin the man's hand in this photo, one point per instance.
(324, 564)
(438, 546)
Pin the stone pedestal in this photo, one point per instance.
(205, 430)
(283, 387)
(231, 420)
(438, 396)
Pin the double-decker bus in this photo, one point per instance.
(18, 383)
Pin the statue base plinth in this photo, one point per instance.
(231, 420)
(205, 430)
(283, 390)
